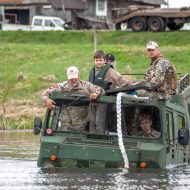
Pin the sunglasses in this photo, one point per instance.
(150, 50)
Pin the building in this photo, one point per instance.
(96, 13)
(79, 13)
(21, 11)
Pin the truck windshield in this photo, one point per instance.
(59, 22)
(141, 121)
(75, 118)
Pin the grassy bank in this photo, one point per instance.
(32, 61)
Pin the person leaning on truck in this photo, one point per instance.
(161, 74)
(74, 85)
(146, 130)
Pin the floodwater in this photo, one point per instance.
(19, 171)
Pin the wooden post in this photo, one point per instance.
(95, 39)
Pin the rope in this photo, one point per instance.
(119, 130)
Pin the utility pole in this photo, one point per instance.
(63, 8)
(95, 39)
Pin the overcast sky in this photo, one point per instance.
(178, 3)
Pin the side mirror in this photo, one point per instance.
(183, 136)
(37, 126)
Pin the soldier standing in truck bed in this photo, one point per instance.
(75, 117)
(161, 74)
(110, 59)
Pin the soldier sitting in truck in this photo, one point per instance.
(145, 124)
(75, 118)
(161, 75)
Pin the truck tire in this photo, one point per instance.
(174, 26)
(156, 24)
(138, 24)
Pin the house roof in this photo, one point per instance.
(11, 1)
(23, 2)
(68, 4)
(154, 2)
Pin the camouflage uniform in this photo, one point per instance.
(74, 118)
(162, 77)
(153, 133)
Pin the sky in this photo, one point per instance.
(178, 3)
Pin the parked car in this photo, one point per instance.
(39, 23)
(47, 23)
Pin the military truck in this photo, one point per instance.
(61, 147)
(143, 18)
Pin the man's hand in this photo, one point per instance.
(55, 85)
(93, 96)
(50, 104)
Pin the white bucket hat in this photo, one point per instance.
(72, 72)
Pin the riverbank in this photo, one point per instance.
(32, 61)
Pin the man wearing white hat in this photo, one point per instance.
(75, 116)
(161, 74)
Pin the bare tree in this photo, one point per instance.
(5, 87)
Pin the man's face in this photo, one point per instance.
(99, 62)
(74, 82)
(145, 125)
(153, 53)
(109, 61)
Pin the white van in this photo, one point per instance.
(47, 23)
(39, 23)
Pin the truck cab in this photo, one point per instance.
(47, 23)
(63, 146)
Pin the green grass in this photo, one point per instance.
(38, 54)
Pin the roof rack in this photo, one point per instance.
(183, 83)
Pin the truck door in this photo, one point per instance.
(37, 24)
(49, 25)
(182, 150)
(171, 158)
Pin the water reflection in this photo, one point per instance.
(19, 144)
(18, 170)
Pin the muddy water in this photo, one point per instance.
(18, 171)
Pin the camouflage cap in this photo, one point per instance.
(151, 45)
